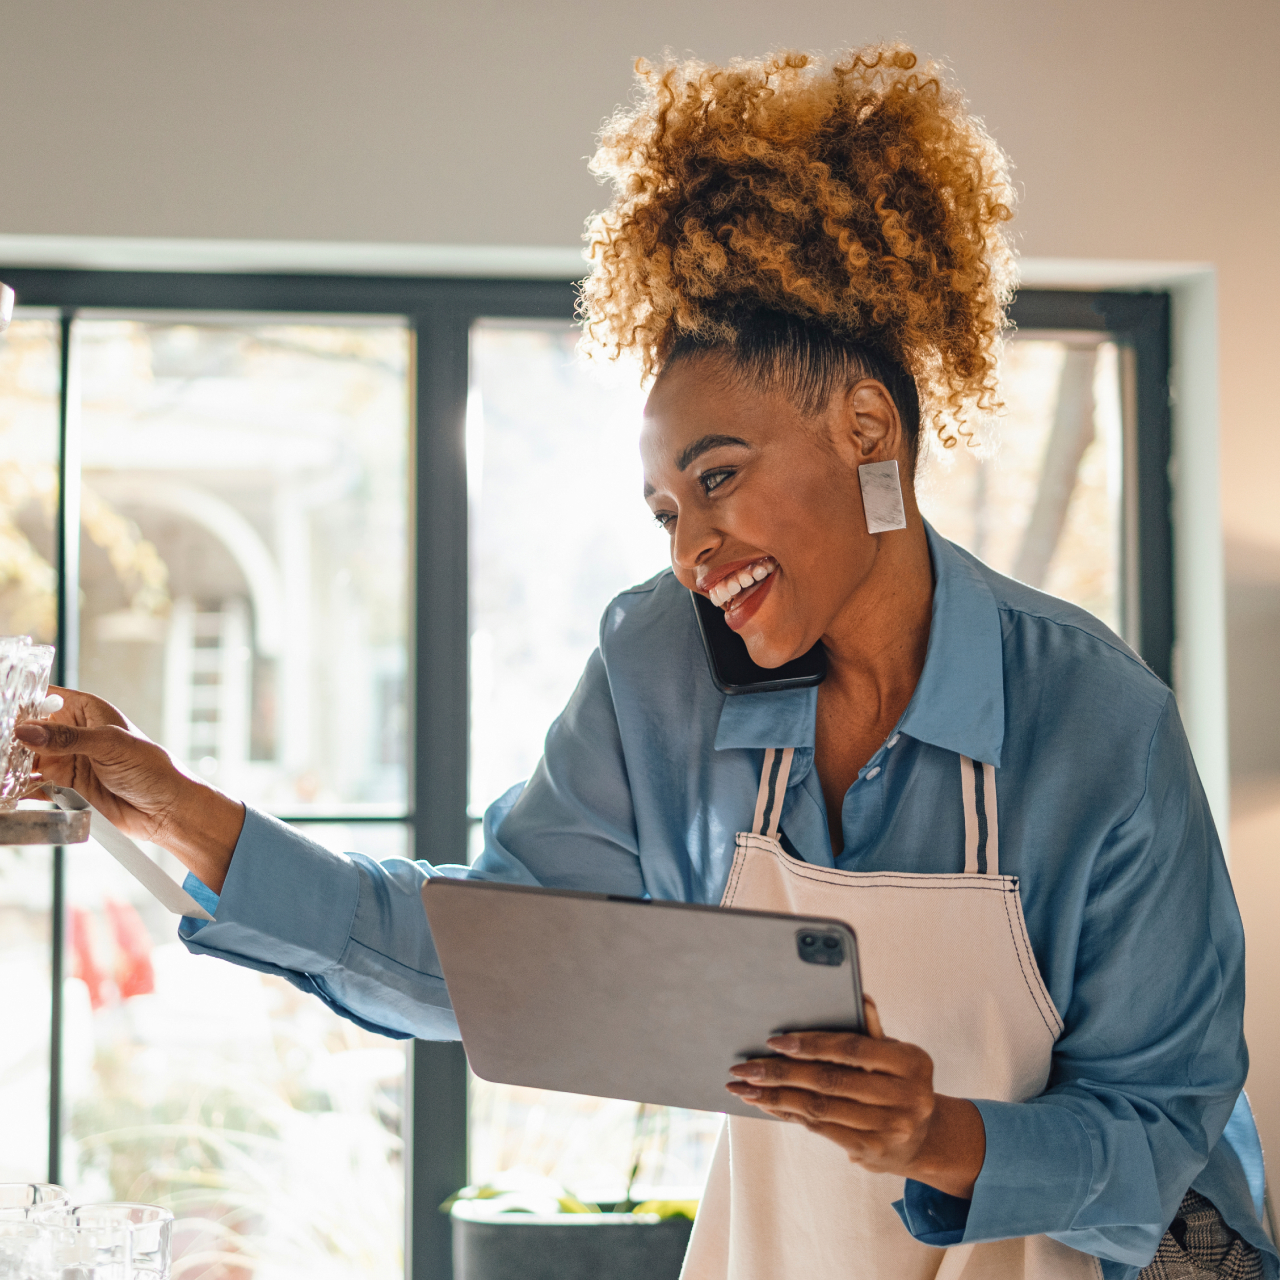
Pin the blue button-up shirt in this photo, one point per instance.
(650, 771)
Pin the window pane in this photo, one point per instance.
(29, 384)
(1042, 501)
(269, 1125)
(244, 550)
(29, 380)
(26, 880)
(244, 598)
(559, 527)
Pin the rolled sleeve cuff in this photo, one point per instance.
(1036, 1174)
(287, 901)
(932, 1216)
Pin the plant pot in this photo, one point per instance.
(566, 1246)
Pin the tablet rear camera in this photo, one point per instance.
(820, 948)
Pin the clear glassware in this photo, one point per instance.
(150, 1228)
(22, 1200)
(24, 1250)
(75, 1245)
(36, 662)
(13, 650)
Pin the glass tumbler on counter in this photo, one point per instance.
(22, 1200)
(69, 1249)
(13, 650)
(24, 1250)
(36, 664)
(148, 1227)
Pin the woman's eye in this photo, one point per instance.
(663, 519)
(712, 480)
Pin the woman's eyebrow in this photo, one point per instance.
(700, 446)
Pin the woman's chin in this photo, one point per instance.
(770, 650)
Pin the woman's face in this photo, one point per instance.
(762, 502)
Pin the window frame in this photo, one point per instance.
(440, 312)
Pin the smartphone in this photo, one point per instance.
(731, 666)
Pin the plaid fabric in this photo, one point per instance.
(1200, 1246)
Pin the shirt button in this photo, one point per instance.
(893, 742)
(871, 773)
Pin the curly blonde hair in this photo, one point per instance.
(859, 198)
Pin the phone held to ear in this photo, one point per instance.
(731, 666)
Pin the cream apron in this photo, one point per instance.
(947, 959)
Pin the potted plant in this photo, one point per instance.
(524, 1227)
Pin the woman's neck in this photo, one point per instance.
(875, 653)
(876, 645)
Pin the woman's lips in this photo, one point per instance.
(746, 605)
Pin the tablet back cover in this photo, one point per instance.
(619, 998)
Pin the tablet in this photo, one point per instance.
(631, 998)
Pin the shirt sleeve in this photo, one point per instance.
(352, 930)
(1152, 1058)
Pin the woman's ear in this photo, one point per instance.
(872, 424)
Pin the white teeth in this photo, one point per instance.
(725, 590)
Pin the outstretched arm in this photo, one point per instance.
(345, 927)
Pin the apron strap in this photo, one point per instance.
(773, 790)
(981, 830)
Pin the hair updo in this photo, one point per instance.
(810, 223)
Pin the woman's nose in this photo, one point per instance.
(695, 541)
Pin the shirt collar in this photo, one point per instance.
(958, 704)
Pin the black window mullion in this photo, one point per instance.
(65, 673)
(437, 1089)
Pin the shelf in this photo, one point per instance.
(44, 826)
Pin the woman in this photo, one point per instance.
(811, 264)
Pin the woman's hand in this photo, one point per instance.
(874, 1098)
(90, 746)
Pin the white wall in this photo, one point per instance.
(1140, 130)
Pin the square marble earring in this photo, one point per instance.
(882, 496)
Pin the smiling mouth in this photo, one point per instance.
(731, 591)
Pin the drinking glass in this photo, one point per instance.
(36, 662)
(22, 1200)
(150, 1227)
(69, 1248)
(13, 651)
(23, 1250)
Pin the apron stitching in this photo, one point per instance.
(1042, 996)
(991, 884)
(1046, 1000)
(735, 873)
(1022, 969)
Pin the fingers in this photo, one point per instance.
(870, 1087)
(821, 1108)
(87, 711)
(847, 1048)
(49, 738)
(872, 1016)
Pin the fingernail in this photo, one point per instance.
(748, 1071)
(750, 1094)
(785, 1043)
(34, 735)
